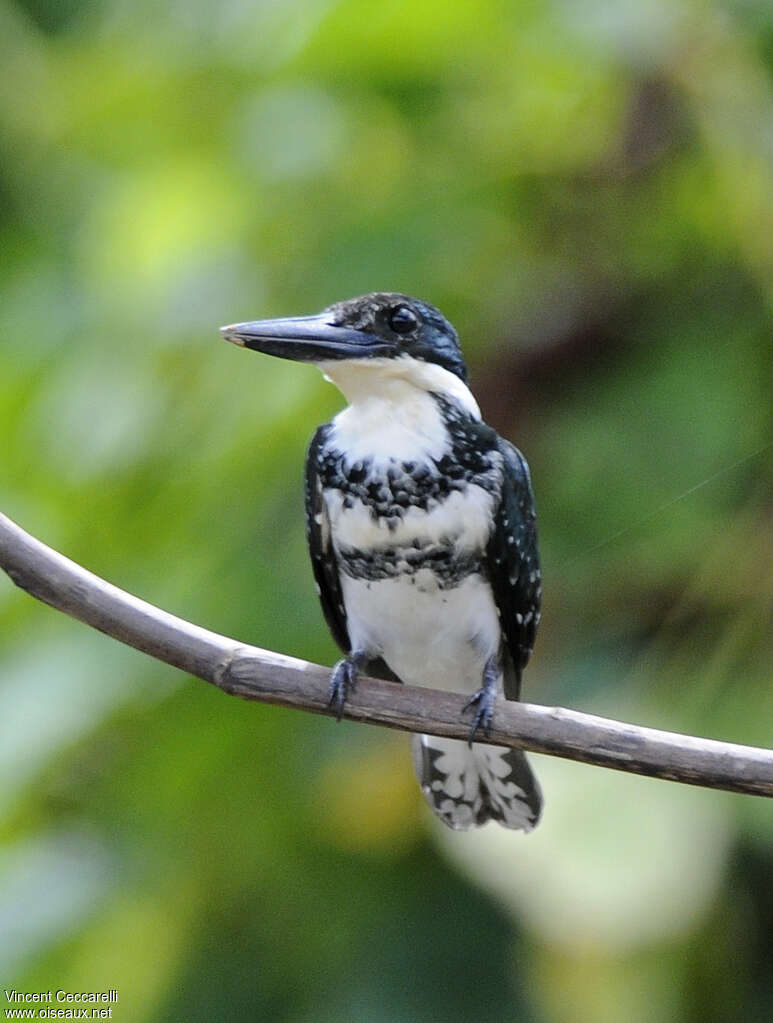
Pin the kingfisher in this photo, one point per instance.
(422, 532)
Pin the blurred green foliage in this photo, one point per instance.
(587, 191)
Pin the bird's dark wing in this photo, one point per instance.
(513, 565)
(323, 559)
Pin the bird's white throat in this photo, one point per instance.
(393, 380)
(392, 413)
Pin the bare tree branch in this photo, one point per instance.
(256, 674)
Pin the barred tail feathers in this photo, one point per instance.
(467, 786)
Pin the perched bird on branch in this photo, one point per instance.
(422, 532)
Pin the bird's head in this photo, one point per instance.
(386, 331)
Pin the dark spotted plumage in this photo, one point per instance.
(489, 802)
(512, 556)
(513, 564)
(323, 561)
(447, 568)
(388, 493)
(477, 456)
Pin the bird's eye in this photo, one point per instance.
(403, 320)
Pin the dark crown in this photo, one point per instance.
(413, 327)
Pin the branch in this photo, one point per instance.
(256, 674)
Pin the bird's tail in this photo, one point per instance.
(469, 785)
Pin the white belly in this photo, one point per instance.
(428, 636)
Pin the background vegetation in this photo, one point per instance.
(587, 191)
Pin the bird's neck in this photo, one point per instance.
(401, 383)
(396, 411)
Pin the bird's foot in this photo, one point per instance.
(343, 681)
(483, 701)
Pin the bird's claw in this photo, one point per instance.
(483, 701)
(343, 681)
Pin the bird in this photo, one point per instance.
(422, 531)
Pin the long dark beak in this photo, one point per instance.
(306, 339)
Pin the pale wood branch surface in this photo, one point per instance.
(257, 674)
